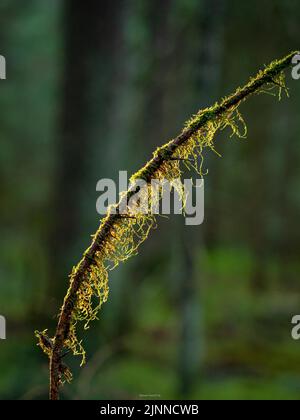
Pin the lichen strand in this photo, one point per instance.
(123, 241)
(127, 232)
(46, 344)
(191, 152)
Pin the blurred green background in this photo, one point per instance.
(92, 88)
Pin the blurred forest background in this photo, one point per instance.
(92, 88)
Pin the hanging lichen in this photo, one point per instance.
(128, 233)
(121, 233)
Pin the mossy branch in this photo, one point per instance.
(118, 236)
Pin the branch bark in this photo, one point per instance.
(147, 173)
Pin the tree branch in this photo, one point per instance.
(147, 173)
